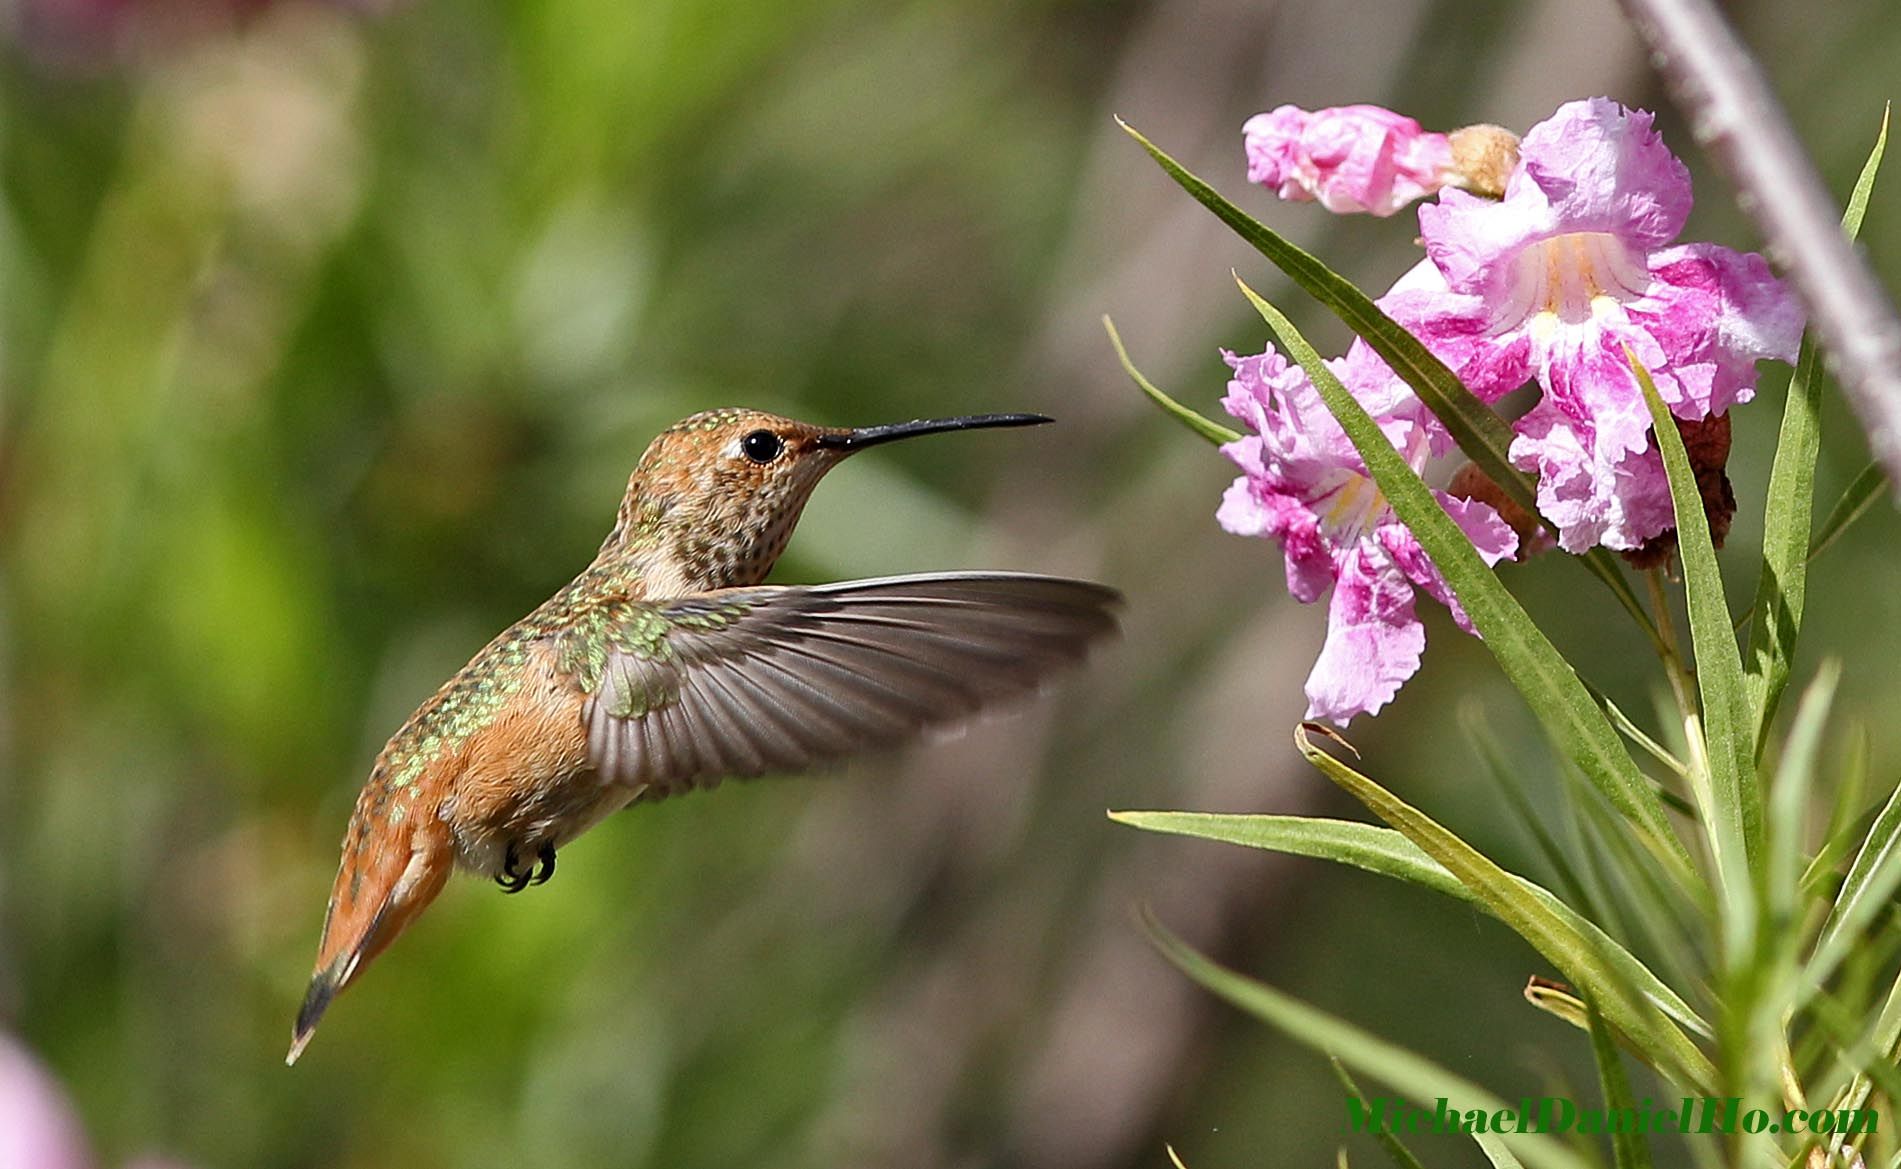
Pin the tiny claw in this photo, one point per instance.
(512, 879)
(545, 857)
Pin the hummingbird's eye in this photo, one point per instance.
(761, 446)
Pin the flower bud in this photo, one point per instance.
(1483, 158)
(1349, 158)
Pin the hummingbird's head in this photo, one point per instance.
(716, 495)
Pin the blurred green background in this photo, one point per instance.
(330, 336)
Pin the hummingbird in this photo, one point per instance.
(667, 665)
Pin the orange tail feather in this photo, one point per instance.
(389, 875)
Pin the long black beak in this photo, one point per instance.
(864, 436)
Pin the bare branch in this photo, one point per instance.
(1736, 117)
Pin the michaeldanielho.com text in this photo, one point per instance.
(1558, 1114)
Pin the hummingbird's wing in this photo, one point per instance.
(747, 681)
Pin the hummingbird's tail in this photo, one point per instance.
(386, 880)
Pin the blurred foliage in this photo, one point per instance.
(329, 338)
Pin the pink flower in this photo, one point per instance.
(37, 1126)
(1351, 158)
(1554, 281)
(1305, 486)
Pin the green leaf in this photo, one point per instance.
(1412, 1076)
(1872, 1059)
(1548, 683)
(1869, 485)
(1870, 883)
(1207, 428)
(1763, 1006)
(1652, 748)
(1396, 1150)
(1481, 434)
(1789, 800)
(1620, 872)
(1848, 821)
(1512, 787)
(1782, 589)
(1856, 499)
(1627, 1148)
(1584, 962)
(1733, 818)
(1390, 854)
(1870, 1055)
(1497, 1151)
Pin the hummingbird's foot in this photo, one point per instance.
(513, 878)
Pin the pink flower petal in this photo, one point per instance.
(1373, 644)
(1600, 167)
(1594, 496)
(1490, 535)
(1716, 312)
(1457, 328)
(38, 1129)
(1253, 508)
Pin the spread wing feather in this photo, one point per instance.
(743, 682)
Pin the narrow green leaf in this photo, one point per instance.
(1762, 1011)
(1855, 501)
(1412, 1076)
(1584, 963)
(1396, 1150)
(1868, 1056)
(1481, 434)
(1652, 748)
(1512, 786)
(1627, 1148)
(1497, 1151)
(1207, 428)
(1616, 863)
(1619, 868)
(1390, 854)
(1734, 821)
(1782, 589)
(1871, 882)
(1875, 1064)
(1548, 683)
(1789, 800)
(1848, 821)
(1857, 498)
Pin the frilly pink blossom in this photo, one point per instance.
(37, 1127)
(1350, 158)
(1552, 283)
(1304, 485)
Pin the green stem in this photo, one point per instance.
(1669, 649)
